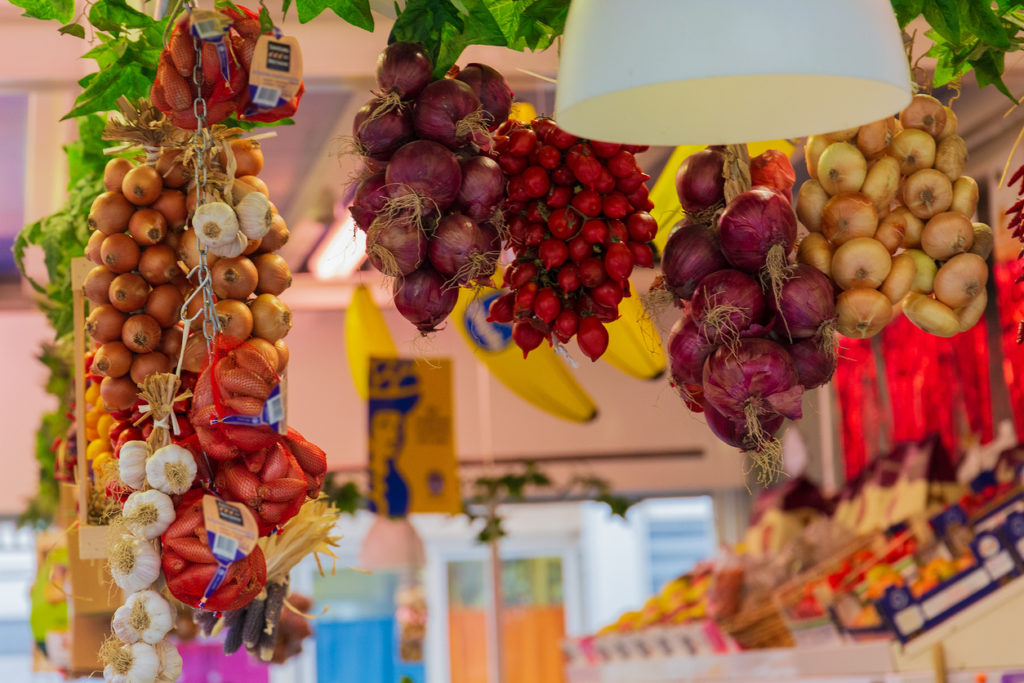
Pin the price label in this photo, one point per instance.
(231, 533)
(276, 72)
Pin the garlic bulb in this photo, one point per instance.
(171, 469)
(170, 662)
(134, 563)
(132, 463)
(148, 513)
(136, 663)
(254, 215)
(233, 248)
(144, 616)
(239, 190)
(215, 224)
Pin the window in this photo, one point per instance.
(680, 533)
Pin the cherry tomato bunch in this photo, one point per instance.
(578, 223)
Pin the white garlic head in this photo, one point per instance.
(148, 513)
(254, 215)
(215, 224)
(135, 663)
(170, 662)
(172, 469)
(233, 248)
(132, 463)
(144, 616)
(134, 563)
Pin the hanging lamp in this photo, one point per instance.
(392, 545)
(670, 72)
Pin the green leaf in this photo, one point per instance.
(982, 22)
(944, 17)
(61, 10)
(266, 23)
(355, 12)
(111, 15)
(988, 69)
(128, 79)
(76, 30)
(907, 10)
(232, 122)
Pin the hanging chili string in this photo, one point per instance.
(971, 361)
(857, 385)
(1010, 296)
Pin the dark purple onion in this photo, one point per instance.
(691, 253)
(459, 248)
(371, 196)
(815, 360)
(734, 433)
(754, 222)
(404, 68)
(492, 89)
(427, 169)
(699, 181)
(423, 298)
(483, 187)
(808, 300)
(379, 137)
(757, 377)
(687, 351)
(725, 304)
(441, 110)
(396, 248)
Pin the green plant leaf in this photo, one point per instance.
(61, 10)
(76, 30)
(355, 12)
(111, 15)
(128, 79)
(944, 17)
(907, 10)
(980, 20)
(988, 69)
(266, 23)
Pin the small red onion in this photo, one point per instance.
(807, 301)
(460, 249)
(754, 222)
(758, 377)
(734, 433)
(396, 248)
(726, 303)
(380, 134)
(483, 187)
(404, 68)
(815, 360)
(423, 299)
(427, 169)
(371, 196)
(443, 113)
(699, 181)
(691, 253)
(492, 89)
(687, 351)
(772, 169)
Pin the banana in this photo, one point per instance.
(666, 202)
(366, 335)
(634, 346)
(541, 378)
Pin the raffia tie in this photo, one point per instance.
(736, 171)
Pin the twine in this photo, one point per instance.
(158, 392)
(736, 171)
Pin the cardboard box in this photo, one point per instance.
(87, 635)
(92, 589)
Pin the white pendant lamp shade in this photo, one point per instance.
(670, 72)
(392, 545)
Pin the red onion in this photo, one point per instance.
(492, 89)
(460, 250)
(736, 434)
(687, 351)
(699, 181)
(426, 169)
(396, 247)
(772, 169)
(404, 68)
(422, 298)
(691, 253)
(807, 302)
(380, 130)
(753, 223)
(448, 111)
(726, 303)
(815, 361)
(371, 196)
(483, 187)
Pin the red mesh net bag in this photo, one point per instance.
(230, 410)
(189, 566)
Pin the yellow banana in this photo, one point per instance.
(366, 335)
(634, 346)
(666, 202)
(541, 378)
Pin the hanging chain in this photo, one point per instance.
(201, 146)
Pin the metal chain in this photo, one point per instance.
(201, 146)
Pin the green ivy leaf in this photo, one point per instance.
(61, 10)
(988, 69)
(76, 30)
(907, 10)
(979, 19)
(266, 23)
(111, 15)
(355, 12)
(232, 122)
(944, 17)
(128, 79)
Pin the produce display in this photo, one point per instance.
(890, 215)
(430, 200)
(578, 222)
(756, 331)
